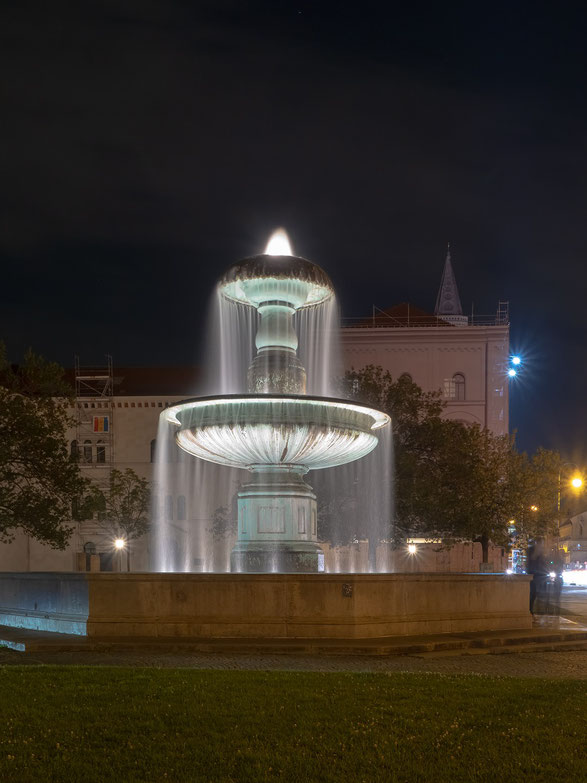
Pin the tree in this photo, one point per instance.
(39, 481)
(416, 422)
(123, 508)
(456, 482)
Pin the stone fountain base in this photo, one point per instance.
(298, 557)
(263, 606)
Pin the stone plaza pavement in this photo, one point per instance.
(557, 664)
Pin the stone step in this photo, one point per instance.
(569, 636)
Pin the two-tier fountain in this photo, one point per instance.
(276, 431)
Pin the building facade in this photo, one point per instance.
(465, 358)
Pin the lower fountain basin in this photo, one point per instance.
(248, 431)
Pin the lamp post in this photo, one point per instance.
(576, 483)
(119, 546)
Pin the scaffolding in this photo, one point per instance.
(503, 313)
(94, 391)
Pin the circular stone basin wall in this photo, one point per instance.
(264, 606)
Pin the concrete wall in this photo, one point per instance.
(26, 554)
(428, 558)
(264, 605)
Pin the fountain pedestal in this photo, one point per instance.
(277, 523)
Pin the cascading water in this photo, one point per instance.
(271, 415)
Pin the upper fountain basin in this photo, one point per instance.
(248, 431)
(267, 278)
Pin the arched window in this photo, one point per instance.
(87, 450)
(100, 451)
(74, 453)
(168, 506)
(153, 448)
(405, 376)
(458, 380)
(181, 508)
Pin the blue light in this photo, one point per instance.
(511, 372)
(516, 360)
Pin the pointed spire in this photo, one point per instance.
(448, 301)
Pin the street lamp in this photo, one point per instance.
(119, 546)
(515, 365)
(576, 483)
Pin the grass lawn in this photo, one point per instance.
(117, 724)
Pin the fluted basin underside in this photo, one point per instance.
(248, 431)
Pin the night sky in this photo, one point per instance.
(145, 146)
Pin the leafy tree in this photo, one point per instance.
(453, 482)
(417, 425)
(39, 481)
(123, 508)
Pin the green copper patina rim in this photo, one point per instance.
(264, 268)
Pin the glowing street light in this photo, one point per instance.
(533, 508)
(516, 360)
(512, 372)
(119, 543)
(412, 549)
(576, 482)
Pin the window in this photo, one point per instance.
(73, 450)
(87, 450)
(168, 506)
(153, 449)
(181, 507)
(100, 451)
(459, 386)
(405, 376)
(454, 388)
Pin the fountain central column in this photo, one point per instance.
(277, 511)
(276, 369)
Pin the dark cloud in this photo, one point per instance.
(145, 146)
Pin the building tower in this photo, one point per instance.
(448, 303)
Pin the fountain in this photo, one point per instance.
(276, 431)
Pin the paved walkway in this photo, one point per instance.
(565, 664)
